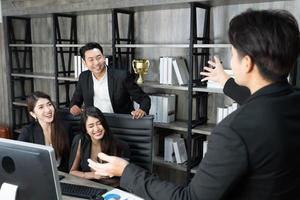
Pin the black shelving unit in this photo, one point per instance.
(63, 57)
(20, 61)
(197, 59)
(122, 57)
(21, 70)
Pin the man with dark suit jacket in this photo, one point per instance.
(108, 89)
(254, 152)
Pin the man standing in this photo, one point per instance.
(110, 90)
(254, 152)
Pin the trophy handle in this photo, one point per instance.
(133, 64)
(148, 64)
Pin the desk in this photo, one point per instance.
(79, 181)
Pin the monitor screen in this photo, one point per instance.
(31, 167)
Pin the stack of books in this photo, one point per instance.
(173, 71)
(175, 149)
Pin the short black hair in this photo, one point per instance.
(270, 38)
(89, 46)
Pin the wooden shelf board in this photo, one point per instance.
(182, 167)
(20, 103)
(60, 78)
(179, 87)
(172, 45)
(49, 76)
(182, 126)
(31, 45)
(80, 45)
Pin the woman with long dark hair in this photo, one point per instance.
(46, 129)
(96, 137)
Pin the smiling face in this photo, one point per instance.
(94, 128)
(43, 111)
(95, 62)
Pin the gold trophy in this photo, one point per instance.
(140, 67)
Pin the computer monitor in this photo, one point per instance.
(31, 167)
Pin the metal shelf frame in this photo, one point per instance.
(122, 58)
(63, 56)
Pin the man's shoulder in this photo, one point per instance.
(84, 74)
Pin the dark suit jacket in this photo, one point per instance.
(238, 93)
(252, 154)
(85, 151)
(33, 133)
(122, 90)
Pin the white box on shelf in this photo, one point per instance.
(219, 115)
(78, 66)
(168, 108)
(234, 106)
(159, 109)
(165, 70)
(204, 147)
(181, 71)
(168, 148)
(161, 70)
(153, 108)
(180, 150)
(212, 84)
(171, 73)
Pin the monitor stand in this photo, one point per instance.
(8, 191)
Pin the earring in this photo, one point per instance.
(36, 119)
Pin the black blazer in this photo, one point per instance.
(238, 93)
(122, 90)
(252, 154)
(33, 133)
(85, 151)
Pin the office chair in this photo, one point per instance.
(138, 134)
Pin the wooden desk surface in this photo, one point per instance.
(79, 181)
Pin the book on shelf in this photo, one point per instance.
(163, 107)
(204, 148)
(180, 150)
(181, 71)
(166, 71)
(222, 112)
(169, 154)
(161, 68)
(78, 66)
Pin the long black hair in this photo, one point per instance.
(108, 145)
(59, 135)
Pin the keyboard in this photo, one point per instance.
(81, 191)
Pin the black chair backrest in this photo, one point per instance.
(138, 134)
